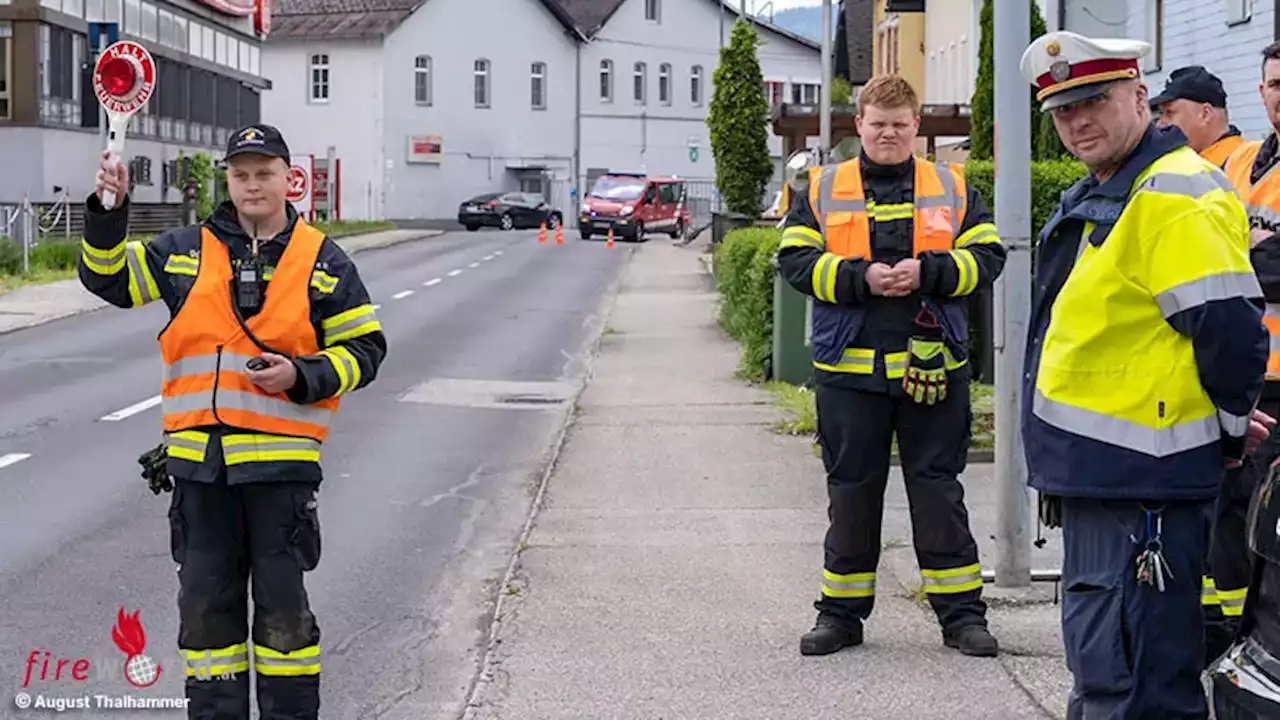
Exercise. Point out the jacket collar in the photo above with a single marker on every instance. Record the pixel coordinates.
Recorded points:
(225, 224)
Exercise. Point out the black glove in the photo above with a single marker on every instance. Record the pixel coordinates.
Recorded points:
(155, 469)
(1051, 511)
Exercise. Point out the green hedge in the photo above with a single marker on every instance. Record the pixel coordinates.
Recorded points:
(744, 278)
(1049, 179)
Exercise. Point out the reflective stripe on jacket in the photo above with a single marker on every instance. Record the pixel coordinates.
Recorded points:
(206, 346)
(845, 215)
(1120, 402)
(1262, 203)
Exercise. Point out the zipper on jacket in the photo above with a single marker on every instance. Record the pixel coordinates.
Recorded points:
(1161, 409)
(217, 373)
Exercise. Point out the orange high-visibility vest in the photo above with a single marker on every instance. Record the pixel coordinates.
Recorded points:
(1262, 203)
(205, 347)
(1218, 152)
(845, 215)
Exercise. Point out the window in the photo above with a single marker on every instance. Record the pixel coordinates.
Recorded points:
(6, 70)
(61, 54)
(132, 12)
(664, 84)
(773, 92)
(482, 83)
(254, 55)
(148, 30)
(1154, 11)
(1238, 11)
(320, 78)
(193, 39)
(651, 10)
(538, 86)
(180, 33)
(208, 43)
(695, 85)
(639, 72)
(422, 80)
(606, 81)
(805, 93)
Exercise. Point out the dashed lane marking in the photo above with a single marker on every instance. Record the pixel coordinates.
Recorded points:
(474, 264)
(454, 273)
(432, 281)
(12, 458)
(132, 410)
(487, 258)
(402, 294)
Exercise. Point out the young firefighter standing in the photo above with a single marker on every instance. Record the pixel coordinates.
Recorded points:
(890, 246)
(1144, 362)
(271, 326)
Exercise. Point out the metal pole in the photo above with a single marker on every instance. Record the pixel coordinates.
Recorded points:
(824, 109)
(1012, 26)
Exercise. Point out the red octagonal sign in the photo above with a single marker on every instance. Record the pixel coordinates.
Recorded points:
(297, 184)
(124, 78)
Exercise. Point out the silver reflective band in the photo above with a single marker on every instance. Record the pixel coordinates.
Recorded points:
(1195, 293)
(1235, 425)
(248, 402)
(205, 364)
(949, 580)
(868, 584)
(175, 441)
(1156, 442)
(1201, 183)
(207, 665)
(351, 367)
(135, 260)
(356, 321)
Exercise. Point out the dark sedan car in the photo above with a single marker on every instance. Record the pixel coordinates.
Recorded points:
(508, 210)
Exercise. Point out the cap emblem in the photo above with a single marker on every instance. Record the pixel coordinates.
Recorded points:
(1053, 48)
(1060, 71)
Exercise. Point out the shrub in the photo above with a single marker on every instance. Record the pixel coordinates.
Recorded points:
(744, 277)
(10, 256)
(55, 255)
(1049, 179)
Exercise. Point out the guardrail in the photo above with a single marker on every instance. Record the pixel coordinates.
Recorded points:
(26, 223)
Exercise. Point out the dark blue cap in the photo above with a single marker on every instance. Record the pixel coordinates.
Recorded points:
(1192, 83)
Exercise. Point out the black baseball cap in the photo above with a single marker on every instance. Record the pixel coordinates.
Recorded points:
(1192, 83)
(257, 140)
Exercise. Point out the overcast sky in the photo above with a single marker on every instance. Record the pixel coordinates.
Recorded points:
(780, 4)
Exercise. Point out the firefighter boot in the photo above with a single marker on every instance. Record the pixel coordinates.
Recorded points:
(973, 640)
(830, 635)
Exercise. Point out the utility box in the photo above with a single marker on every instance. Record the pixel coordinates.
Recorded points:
(791, 354)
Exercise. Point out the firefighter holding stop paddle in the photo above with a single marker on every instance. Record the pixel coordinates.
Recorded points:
(270, 326)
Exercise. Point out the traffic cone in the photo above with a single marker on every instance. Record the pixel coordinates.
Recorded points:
(542, 234)
(560, 233)
(609, 242)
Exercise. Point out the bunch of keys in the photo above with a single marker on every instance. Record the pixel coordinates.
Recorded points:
(1151, 565)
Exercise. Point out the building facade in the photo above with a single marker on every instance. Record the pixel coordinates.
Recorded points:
(208, 81)
(899, 44)
(423, 116)
(1225, 36)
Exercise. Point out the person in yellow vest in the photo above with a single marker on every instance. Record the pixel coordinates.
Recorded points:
(1195, 101)
(1143, 368)
(1251, 170)
(890, 247)
(270, 326)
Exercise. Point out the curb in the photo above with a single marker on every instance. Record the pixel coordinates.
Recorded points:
(46, 319)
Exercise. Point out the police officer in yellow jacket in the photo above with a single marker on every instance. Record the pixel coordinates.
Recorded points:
(890, 247)
(1143, 367)
(1195, 101)
(270, 326)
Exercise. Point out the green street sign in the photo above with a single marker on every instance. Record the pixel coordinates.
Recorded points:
(693, 154)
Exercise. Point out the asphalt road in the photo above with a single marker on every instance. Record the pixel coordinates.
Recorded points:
(421, 506)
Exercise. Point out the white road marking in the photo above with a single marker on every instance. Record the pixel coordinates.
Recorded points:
(497, 252)
(432, 281)
(377, 307)
(486, 258)
(474, 264)
(402, 294)
(132, 410)
(454, 273)
(12, 458)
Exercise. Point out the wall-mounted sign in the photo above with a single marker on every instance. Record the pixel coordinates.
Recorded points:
(238, 8)
(425, 149)
(262, 18)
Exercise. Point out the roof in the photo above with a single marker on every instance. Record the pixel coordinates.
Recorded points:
(776, 29)
(375, 19)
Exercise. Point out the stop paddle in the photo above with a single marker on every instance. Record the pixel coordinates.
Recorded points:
(124, 79)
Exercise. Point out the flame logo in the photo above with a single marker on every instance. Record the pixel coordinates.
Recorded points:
(139, 670)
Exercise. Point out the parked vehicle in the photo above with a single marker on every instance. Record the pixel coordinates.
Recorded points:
(1244, 683)
(509, 211)
(633, 204)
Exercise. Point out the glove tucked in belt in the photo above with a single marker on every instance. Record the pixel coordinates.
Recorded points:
(926, 378)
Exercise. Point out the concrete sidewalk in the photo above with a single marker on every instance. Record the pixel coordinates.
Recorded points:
(32, 305)
(675, 560)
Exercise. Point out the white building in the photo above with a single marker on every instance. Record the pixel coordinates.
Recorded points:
(429, 103)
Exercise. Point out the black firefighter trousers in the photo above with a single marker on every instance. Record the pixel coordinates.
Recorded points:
(224, 538)
(856, 429)
(1230, 563)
